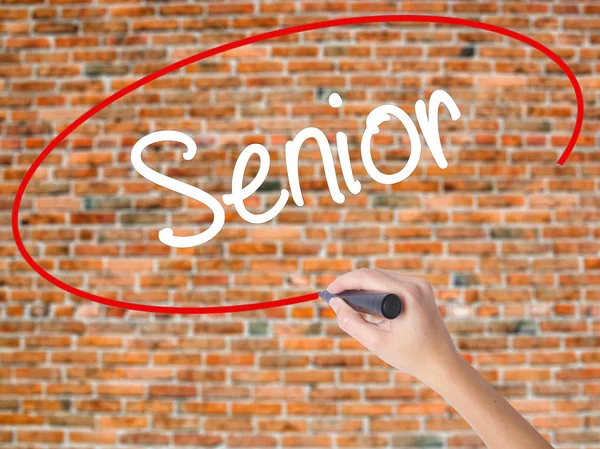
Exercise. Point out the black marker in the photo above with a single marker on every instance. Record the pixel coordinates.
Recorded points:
(387, 305)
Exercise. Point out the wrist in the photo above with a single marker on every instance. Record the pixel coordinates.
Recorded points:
(447, 373)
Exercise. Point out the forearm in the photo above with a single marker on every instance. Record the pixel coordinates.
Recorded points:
(494, 420)
(418, 343)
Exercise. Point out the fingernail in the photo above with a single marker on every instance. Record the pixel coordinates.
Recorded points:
(335, 304)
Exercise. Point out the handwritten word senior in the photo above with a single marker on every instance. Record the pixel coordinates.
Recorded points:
(428, 122)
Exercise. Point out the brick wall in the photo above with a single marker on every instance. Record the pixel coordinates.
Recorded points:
(508, 238)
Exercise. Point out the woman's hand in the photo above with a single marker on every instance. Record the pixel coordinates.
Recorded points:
(416, 342)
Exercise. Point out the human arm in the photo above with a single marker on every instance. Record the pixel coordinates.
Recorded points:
(417, 342)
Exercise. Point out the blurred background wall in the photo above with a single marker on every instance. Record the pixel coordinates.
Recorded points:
(508, 238)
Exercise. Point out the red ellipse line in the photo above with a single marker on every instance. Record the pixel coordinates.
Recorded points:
(229, 46)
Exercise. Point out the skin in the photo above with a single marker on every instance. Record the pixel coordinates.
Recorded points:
(418, 343)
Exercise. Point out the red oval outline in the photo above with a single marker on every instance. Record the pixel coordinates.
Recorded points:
(229, 46)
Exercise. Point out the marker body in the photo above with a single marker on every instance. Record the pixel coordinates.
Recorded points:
(387, 305)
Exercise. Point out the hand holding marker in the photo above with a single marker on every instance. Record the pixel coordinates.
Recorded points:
(419, 344)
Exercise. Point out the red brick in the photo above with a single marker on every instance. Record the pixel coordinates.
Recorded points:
(506, 236)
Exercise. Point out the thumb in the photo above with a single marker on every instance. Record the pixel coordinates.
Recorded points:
(353, 323)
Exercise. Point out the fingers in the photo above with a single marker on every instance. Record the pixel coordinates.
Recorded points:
(353, 323)
(373, 319)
